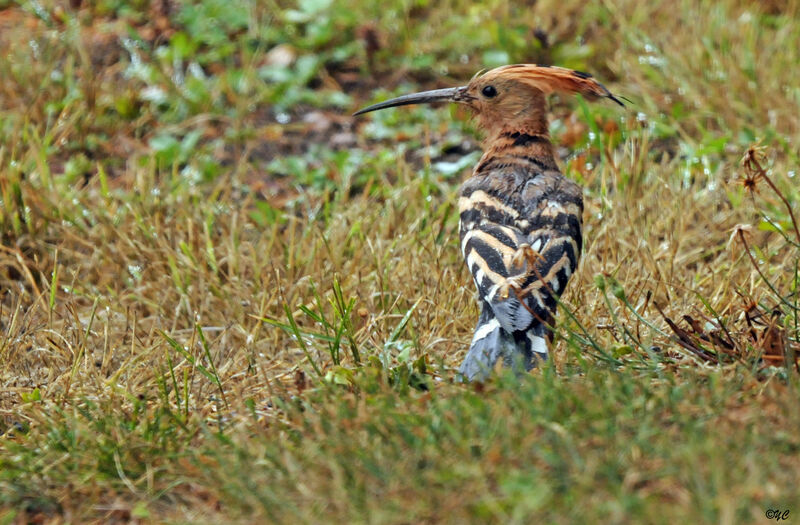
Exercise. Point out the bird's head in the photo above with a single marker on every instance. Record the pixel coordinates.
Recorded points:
(509, 97)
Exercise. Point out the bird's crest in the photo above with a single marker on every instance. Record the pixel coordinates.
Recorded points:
(552, 79)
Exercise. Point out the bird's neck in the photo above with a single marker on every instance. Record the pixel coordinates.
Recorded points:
(527, 147)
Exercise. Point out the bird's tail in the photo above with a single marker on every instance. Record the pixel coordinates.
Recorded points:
(519, 350)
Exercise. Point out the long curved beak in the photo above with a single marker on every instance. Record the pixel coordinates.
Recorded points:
(423, 97)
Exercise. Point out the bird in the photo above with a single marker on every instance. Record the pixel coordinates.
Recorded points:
(520, 218)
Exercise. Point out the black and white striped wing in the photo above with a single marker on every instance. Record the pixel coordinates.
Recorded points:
(521, 290)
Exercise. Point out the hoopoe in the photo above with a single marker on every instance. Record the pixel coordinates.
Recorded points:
(520, 218)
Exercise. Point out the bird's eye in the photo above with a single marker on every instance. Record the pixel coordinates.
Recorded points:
(489, 92)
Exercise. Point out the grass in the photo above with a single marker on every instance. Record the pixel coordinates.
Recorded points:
(223, 299)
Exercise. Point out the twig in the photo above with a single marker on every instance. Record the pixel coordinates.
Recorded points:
(751, 163)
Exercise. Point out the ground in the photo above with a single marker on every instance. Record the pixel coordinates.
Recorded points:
(224, 299)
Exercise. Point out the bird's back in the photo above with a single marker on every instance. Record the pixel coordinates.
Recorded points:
(520, 236)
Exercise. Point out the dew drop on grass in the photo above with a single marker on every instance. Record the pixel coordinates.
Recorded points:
(791, 174)
(652, 61)
(136, 68)
(192, 174)
(35, 48)
(154, 94)
(196, 71)
(283, 118)
(40, 11)
(773, 117)
(135, 270)
(177, 75)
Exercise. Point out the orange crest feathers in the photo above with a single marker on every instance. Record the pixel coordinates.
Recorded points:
(551, 79)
